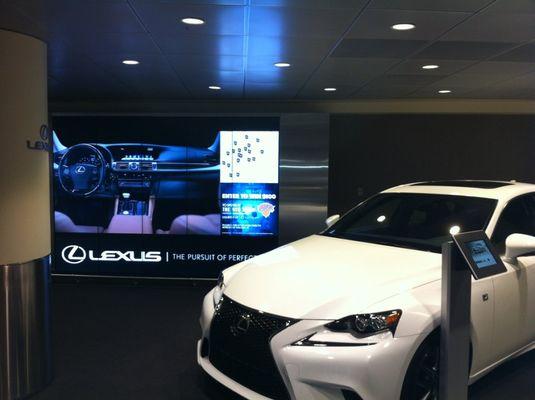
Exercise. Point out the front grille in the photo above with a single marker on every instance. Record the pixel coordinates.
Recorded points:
(239, 347)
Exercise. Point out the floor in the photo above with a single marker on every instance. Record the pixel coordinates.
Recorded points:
(135, 342)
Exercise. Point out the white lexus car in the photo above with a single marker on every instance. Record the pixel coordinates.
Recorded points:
(354, 312)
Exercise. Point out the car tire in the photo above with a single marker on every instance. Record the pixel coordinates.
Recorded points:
(421, 379)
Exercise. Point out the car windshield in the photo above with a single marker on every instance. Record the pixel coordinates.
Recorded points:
(413, 220)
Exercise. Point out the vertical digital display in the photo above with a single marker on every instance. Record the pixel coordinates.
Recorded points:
(249, 183)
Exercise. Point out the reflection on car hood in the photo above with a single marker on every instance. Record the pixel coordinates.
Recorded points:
(321, 277)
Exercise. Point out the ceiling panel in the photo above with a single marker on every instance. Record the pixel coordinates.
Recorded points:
(299, 22)
(345, 4)
(208, 77)
(484, 78)
(414, 66)
(67, 16)
(463, 50)
(438, 5)
(278, 76)
(297, 64)
(104, 42)
(288, 47)
(58, 59)
(512, 6)
(384, 91)
(406, 80)
(200, 90)
(188, 62)
(165, 17)
(483, 47)
(314, 90)
(269, 91)
(352, 71)
(525, 53)
(467, 81)
(521, 87)
(152, 77)
(90, 83)
(194, 44)
(495, 27)
(504, 69)
(197, 2)
(377, 48)
(375, 24)
(12, 18)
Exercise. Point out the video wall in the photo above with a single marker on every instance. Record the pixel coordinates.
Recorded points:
(163, 196)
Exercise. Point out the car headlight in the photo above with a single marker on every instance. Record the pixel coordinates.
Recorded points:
(366, 324)
(220, 280)
(218, 290)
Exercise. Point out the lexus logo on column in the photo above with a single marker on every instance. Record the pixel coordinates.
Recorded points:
(42, 144)
(80, 169)
(73, 254)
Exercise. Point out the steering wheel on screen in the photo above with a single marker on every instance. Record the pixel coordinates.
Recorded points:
(82, 170)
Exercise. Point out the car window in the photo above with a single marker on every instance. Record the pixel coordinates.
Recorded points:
(517, 217)
(414, 220)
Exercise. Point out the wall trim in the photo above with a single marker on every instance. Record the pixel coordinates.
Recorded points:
(402, 106)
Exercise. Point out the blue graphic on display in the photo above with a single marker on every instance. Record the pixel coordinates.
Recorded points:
(481, 254)
(249, 209)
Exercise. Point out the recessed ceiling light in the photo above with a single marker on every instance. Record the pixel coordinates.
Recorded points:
(192, 21)
(445, 91)
(130, 62)
(282, 64)
(430, 66)
(403, 27)
(213, 87)
(330, 89)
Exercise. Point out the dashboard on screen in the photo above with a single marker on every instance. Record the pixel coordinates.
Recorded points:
(163, 196)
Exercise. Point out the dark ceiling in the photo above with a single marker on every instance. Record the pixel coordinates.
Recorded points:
(485, 48)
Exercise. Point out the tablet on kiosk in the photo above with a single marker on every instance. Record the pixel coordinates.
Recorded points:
(479, 253)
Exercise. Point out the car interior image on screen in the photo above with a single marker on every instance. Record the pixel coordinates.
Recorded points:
(216, 182)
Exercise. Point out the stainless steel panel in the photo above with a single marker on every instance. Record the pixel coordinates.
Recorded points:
(304, 168)
(25, 359)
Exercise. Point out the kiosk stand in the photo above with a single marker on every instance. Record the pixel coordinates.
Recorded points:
(455, 325)
(470, 254)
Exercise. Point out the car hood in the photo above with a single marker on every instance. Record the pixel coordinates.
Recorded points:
(322, 277)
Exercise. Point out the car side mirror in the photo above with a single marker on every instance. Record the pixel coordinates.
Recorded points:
(331, 220)
(518, 245)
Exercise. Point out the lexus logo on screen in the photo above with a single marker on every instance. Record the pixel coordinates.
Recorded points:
(74, 254)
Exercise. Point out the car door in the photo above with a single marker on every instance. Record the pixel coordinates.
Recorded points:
(514, 295)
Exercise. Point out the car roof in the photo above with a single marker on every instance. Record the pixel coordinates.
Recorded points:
(499, 190)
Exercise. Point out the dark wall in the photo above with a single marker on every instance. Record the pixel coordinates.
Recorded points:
(369, 153)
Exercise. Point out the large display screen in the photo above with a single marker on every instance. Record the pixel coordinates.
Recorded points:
(163, 196)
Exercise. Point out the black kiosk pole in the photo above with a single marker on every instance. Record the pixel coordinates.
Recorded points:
(470, 254)
(455, 324)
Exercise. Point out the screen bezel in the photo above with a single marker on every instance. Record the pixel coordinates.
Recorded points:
(462, 240)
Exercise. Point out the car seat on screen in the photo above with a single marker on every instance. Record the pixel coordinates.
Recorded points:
(194, 225)
(64, 224)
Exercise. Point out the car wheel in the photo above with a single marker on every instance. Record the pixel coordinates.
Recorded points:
(421, 380)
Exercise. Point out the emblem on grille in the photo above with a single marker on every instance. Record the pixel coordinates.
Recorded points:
(241, 326)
